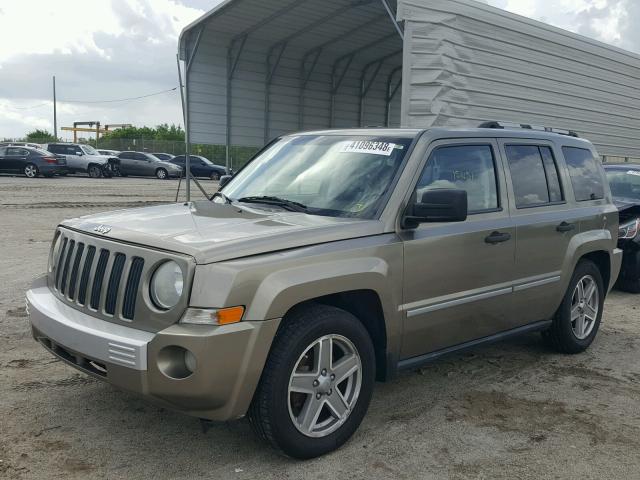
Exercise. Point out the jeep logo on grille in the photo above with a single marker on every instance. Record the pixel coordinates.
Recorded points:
(102, 229)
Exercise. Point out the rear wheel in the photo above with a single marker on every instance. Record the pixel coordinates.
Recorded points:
(162, 174)
(577, 321)
(94, 171)
(317, 383)
(30, 170)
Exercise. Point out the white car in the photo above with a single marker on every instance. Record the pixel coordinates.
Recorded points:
(85, 158)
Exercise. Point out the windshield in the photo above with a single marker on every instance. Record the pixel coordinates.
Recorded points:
(89, 150)
(328, 175)
(624, 183)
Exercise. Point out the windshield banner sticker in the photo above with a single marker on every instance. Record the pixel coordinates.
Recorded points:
(373, 148)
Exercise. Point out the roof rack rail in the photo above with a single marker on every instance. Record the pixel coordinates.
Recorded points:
(524, 126)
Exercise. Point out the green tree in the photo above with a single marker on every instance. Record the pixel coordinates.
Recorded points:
(40, 136)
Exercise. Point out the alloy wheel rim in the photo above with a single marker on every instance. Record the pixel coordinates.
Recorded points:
(585, 304)
(161, 174)
(30, 171)
(324, 386)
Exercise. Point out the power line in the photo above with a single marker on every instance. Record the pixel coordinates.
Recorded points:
(121, 99)
(96, 101)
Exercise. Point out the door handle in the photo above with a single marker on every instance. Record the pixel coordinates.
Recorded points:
(498, 237)
(565, 227)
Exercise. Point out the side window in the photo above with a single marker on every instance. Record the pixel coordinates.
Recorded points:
(14, 152)
(585, 174)
(466, 167)
(534, 175)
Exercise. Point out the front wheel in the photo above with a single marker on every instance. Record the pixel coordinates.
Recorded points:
(30, 171)
(317, 383)
(162, 174)
(215, 176)
(94, 171)
(577, 321)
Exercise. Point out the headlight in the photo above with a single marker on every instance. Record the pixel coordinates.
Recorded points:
(629, 229)
(167, 285)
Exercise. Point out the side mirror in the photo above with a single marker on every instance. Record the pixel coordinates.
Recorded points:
(225, 179)
(438, 205)
(79, 154)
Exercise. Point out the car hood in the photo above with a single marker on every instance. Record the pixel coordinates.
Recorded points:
(212, 232)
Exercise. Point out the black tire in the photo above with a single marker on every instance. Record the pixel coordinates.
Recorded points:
(215, 177)
(162, 174)
(269, 411)
(94, 171)
(629, 280)
(30, 170)
(561, 335)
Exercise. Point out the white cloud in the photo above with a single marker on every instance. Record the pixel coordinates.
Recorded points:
(97, 50)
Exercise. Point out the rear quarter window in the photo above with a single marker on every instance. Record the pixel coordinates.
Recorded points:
(585, 172)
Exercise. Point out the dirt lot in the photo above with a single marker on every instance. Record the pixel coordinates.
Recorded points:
(513, 410)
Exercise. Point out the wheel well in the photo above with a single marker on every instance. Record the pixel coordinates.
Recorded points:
(603, 262)
(365, 305)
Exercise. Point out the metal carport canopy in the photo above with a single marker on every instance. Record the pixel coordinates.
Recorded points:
(258, 69)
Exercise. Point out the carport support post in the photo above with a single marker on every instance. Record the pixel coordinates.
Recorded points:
(187, 129)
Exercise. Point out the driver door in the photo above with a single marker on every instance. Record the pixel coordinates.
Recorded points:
(458, 276)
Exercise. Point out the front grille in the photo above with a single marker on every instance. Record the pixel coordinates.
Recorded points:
(85, 273)
(106, 278)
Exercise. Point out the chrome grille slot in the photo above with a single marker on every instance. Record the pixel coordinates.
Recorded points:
(59, 261)
(98, 279)
(86, 270)
(74, 271)
(65, 271)
(131, 290)
(114, 283)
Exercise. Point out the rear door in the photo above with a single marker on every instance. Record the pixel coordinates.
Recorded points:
(16, 158)
(458, 276)
(546, 220)
(127, 166)
(5, 166)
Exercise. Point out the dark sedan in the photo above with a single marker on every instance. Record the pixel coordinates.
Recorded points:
(625, 185)
(201, 167)
(31, 162)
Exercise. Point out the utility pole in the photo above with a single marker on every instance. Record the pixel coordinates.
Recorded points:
(55, 113)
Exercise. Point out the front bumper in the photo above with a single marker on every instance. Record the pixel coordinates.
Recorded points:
(229, 359)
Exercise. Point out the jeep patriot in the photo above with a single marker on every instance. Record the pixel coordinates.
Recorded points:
(331, 260)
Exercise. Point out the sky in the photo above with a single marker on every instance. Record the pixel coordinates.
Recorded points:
(113, 49)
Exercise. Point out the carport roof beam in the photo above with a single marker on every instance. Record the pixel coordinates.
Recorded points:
(268, 19)
(391, 92)
(365, 86)
(393, 18)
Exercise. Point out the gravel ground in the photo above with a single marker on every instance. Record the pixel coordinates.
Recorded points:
(512, 410)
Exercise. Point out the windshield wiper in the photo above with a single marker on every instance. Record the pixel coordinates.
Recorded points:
(226, 199)
(277, 201)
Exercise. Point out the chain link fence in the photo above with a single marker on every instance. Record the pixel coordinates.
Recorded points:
(216, 153)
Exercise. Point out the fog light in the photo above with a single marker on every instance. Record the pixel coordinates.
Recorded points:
(176, 362)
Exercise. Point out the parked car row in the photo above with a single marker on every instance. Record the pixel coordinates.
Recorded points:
(52, 159)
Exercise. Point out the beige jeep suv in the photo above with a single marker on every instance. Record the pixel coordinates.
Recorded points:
(332, 260)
